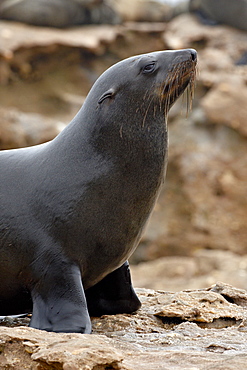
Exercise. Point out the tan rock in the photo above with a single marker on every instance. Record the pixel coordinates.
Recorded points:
(30, 348)
(203, 268)
(186, 31)
(143, 10)
(149, 339)
(225, 104)
(13, 35)
(199, 307)
(18, 129)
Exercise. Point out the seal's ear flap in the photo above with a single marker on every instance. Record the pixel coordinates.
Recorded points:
(107, 95)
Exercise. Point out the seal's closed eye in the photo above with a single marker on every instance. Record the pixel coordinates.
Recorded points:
(107, 95)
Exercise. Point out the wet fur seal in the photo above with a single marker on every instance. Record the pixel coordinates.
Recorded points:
(72, 210)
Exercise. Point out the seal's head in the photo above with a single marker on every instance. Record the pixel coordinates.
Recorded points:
(144, 85)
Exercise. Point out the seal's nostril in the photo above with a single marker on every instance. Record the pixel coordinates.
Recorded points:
(193, 55)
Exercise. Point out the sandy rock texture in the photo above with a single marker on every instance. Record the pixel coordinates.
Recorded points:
(200, 329)
(143, 10)
(203, 204)
(19, 129)
(50, 71)
(203, 268)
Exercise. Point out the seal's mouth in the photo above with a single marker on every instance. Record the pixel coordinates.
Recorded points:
(181, 76)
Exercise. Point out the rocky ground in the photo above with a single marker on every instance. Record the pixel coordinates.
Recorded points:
(197, 233)
(200, 329)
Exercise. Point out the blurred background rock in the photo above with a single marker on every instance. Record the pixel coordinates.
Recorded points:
(197, 234)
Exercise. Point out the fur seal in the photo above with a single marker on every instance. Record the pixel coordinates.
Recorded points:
(58, 13)
(229, 12)
(73, 209)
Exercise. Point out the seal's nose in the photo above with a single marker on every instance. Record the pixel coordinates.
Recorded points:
(193, 55)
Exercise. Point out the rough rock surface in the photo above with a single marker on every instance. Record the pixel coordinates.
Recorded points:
(202, 269)
(50, 71)
(204, 202)
(143, 10)
(202, 329)
(18, 129)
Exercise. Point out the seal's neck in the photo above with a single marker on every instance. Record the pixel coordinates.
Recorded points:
(130, 134)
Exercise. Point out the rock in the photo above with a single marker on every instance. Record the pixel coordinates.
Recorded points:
(203, 204)
(170, 273)
(18, 129)
(44, 69)
(233, 295)
(203, 268)
(165, 333)
(15, 35)
(224, 104)
(186, 31)
(25, 347)
(203, 309)
(143, 10)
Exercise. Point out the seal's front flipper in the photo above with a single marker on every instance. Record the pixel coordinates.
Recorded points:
(59, 303)
(114, 294)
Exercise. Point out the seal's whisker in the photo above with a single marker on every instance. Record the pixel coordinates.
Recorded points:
(168, 100)
(121, 132)
(190, 91)
(145, 115)
(155, 109)
(145, 95)
(179, 75)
